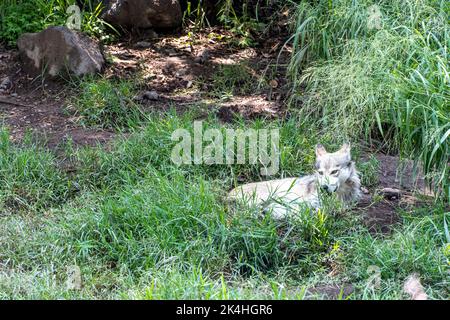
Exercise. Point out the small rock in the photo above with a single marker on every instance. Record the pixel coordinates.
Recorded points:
(6, 83)
(150, 34)
(391, 193)
(273, 83)
(189, 84)
(202, 57)
(150, 95)
(364, 190)
(171, 53)
(60, 50)
(74, 281)
(180, 73)
(142, 45)
(14, 95)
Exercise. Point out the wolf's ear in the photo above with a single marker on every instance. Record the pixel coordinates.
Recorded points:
(345, 148)
(320, 150)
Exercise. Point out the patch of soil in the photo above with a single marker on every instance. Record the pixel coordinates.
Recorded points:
(250, 107)
(48, 122)
(39, 107)
(403, 175)
(398, 186)
(379, 216)
(180, 69)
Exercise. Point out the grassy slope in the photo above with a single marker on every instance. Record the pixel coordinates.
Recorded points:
(379, 69)
(140, 227)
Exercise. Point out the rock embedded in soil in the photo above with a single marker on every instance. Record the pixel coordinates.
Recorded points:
(142, 45)
(150, 95)
(391, 193)
(202, 57)
(6, 83)
(143, 14)
(58, 50)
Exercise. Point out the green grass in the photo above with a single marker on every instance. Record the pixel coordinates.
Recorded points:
(388, 83)
(28, 179)
(369, 171)
(233, 79)
(420, 245)
(106, 104)
(21, 16)
(138, 226)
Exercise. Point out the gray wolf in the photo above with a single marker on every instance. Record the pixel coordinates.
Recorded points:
(335, 173)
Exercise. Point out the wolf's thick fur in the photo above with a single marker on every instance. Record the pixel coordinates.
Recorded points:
(335, 172)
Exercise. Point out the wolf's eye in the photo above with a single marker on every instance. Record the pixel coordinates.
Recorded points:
(334, 172)
(320, 172)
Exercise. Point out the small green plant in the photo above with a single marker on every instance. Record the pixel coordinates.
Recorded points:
(96, 27)
(29, 178)
(369, 171)
(230, 80)
(241, 21)
(242, 24)
(16, 19)
(195, 15)
(106, 103)
(20, 16)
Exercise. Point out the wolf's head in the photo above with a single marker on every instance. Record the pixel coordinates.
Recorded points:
(334, 170)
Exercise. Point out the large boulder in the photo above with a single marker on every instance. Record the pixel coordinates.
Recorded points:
(143, 14)
(59, 50)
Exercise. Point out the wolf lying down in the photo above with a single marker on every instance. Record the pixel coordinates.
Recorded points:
(335, 173)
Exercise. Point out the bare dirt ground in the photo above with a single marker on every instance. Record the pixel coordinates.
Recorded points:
(400, 185)
(180, 70)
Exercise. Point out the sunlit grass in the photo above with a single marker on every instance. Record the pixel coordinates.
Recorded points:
(389, 82)
(138, 226)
